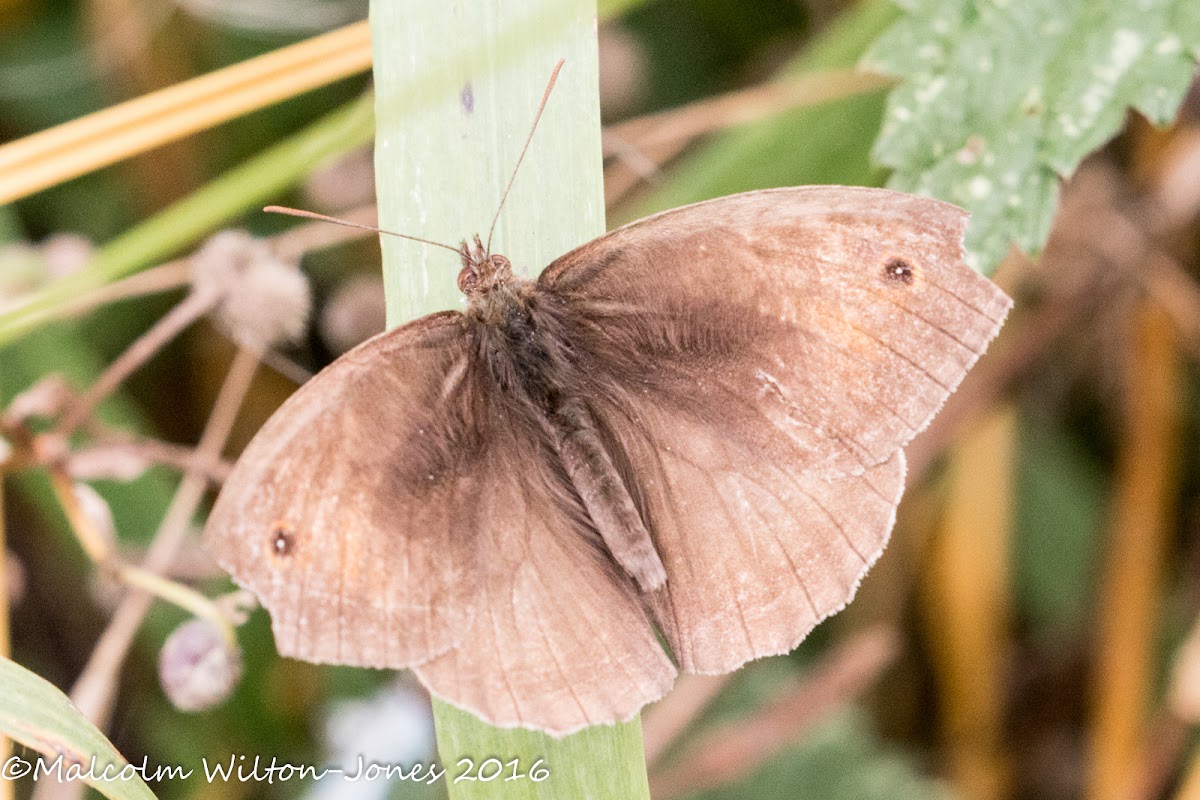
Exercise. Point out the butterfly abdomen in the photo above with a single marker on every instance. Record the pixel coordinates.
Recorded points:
(538, 382)
(604, 494)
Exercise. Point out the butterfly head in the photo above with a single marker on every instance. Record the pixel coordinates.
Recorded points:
(481, 270)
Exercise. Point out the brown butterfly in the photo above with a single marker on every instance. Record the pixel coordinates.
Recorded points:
(689, 427)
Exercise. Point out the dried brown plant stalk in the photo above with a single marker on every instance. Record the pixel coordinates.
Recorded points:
(739, 107)
(77, 147)
(93, 691)
(1143, 518)
(194, 306)
(966, 607)
(664, 722)
(640, 146)
(734, 751)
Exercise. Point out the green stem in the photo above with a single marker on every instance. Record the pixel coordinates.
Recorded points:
(457, 86)
(233, 194)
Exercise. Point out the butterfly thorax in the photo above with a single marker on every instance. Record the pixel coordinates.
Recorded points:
(521, 344)
(522, 357)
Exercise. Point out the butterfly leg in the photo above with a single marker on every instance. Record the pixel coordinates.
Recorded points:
(605, 496)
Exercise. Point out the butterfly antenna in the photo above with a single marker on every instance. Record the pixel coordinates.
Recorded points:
(536, 118)
(295, 212)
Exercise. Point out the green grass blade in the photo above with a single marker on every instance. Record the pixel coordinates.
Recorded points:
(602, 761)
(457, 86)
(39, 716)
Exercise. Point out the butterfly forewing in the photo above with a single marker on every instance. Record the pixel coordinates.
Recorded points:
(830, 321)
(341, 515)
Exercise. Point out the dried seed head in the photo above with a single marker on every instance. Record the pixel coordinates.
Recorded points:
(45, 399)
(197, 667)
(356, 313)
(66, 253)
(1183, 696)
(96, 509)
(345, 183)
(14, 579)
(261, 299)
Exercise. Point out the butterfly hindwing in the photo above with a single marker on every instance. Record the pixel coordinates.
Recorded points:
(757, 550)
(560, 639)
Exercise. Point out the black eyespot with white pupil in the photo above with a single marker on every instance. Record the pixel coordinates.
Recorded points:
(282, 542)
(899, 271)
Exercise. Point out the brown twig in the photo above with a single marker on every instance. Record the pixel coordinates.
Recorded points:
(93, 541)
(291, 245)
(644, 143)
(190, 309)
(100, 550)
(663, 723)
(966, 607)
(632, 166)
(1142, 522)
(107, 459)
(739, 107)
(191, 565)
(93, 691)
(736, 750)
(164, 278)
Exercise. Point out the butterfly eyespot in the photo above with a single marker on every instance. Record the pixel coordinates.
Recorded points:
(282, 542)
(899, 271)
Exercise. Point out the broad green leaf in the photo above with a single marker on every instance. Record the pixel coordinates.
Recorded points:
(1001, 98)
(39, 716)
